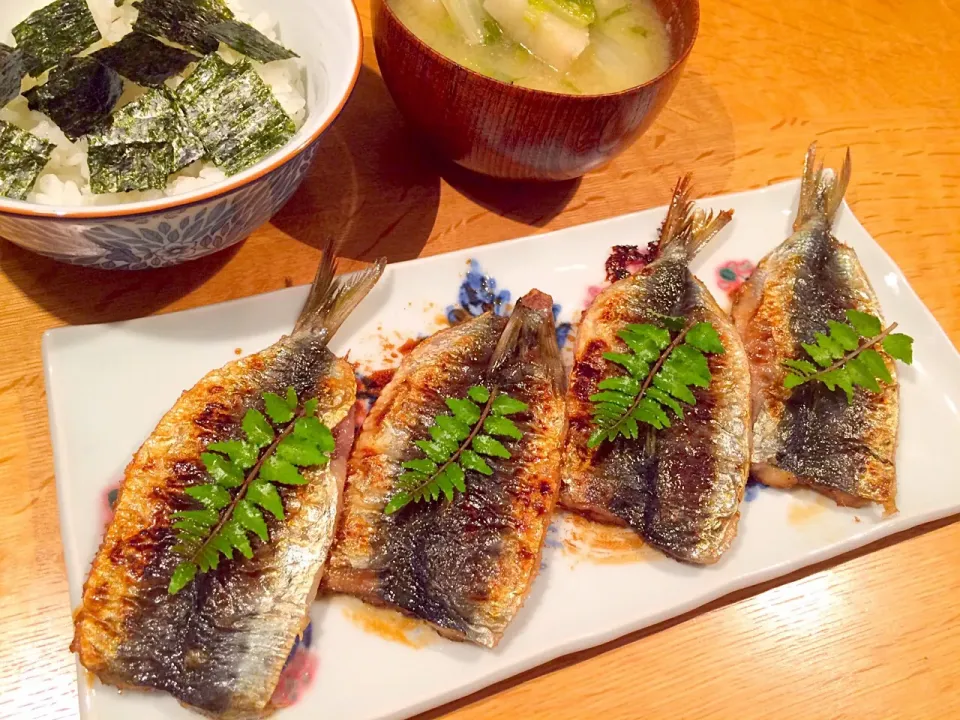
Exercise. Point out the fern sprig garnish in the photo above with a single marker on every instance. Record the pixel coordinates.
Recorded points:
(269, 455)
(458, 442)
(846, 356)
(660, 373)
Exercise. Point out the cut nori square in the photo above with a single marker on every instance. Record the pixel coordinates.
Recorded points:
(186, 22)
(125, 168)
(140, 146)
(11, 73)
(145, 60)
(233, 113)
(79, 95)
(59, 30)
(22, 159)
(249, 41)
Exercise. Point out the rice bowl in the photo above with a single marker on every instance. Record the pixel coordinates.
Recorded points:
(65, 181)
(172, 229)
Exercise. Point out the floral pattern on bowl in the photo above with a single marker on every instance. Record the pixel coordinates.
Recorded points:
(162, 239)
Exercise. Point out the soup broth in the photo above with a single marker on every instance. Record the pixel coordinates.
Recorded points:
(587, 47)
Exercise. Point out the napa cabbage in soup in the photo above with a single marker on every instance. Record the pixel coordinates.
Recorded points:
(585, 47)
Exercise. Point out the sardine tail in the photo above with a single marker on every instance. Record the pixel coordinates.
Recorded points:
(332, 298)
(531, 328)
(687, 226)
(820, 193)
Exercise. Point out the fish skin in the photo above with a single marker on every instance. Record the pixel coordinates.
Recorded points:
(219, 645)
(811, 436)
(465, 566)
(680, 489)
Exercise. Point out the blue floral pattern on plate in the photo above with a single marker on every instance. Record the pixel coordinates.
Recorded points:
(479, 293)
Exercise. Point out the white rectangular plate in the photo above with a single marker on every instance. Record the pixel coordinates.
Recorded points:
(108, 385)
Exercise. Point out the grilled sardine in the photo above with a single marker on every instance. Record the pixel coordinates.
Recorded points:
(811, 435)
(680, 487)
(220, 643)
(464, 565)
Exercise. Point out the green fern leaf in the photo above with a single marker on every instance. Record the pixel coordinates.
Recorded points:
(300, 452)
(829, 345)
(614, 398)
(250, 468)
(478, 393)
(264, 494)
(486, 445)
(457, 429)
(280, 471)
(503, 404)
(278, 410)
(470, 460)
(457, 477)
(251, 518)
(504, 427)
(705, 338)
(257, 428)
(874, 363)
(456, 446)
(899, 347)
(464, 410)
(436, 452)
(662, 369)
(423, 465)
(182, 576)
(631, 363)
(865, 324)
(224, 472)
(848, 357)
(212, 497)
(621, 383)
(844, 334)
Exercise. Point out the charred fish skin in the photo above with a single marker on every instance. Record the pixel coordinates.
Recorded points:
(680, 489)
(218, 645)
(465, 566)
(812, 436)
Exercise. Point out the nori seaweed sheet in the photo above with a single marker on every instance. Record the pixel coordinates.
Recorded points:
(140, 146)
(79, 95)
(11, 73)
(59, 30)
(186, 22)
(145, 60)
(249, 41)
(22, 159)
(125, 168)
(233, 113)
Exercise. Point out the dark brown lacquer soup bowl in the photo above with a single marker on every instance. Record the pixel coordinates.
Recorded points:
(511, 132)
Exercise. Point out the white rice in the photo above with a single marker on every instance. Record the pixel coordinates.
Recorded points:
(66, 178)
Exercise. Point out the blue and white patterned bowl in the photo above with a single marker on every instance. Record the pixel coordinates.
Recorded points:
(170, 231)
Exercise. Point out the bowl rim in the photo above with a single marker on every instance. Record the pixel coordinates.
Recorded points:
(222, 188)
(443, 59)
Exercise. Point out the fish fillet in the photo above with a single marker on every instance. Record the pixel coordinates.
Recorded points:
(464, 565)
(811, 435)
(680, 487)
(219, 644)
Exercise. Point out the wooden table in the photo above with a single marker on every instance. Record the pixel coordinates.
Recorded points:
(872, 634)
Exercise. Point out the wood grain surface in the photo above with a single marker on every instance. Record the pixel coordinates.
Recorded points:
(875, 634)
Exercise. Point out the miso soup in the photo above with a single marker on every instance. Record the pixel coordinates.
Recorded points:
(585, 47)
